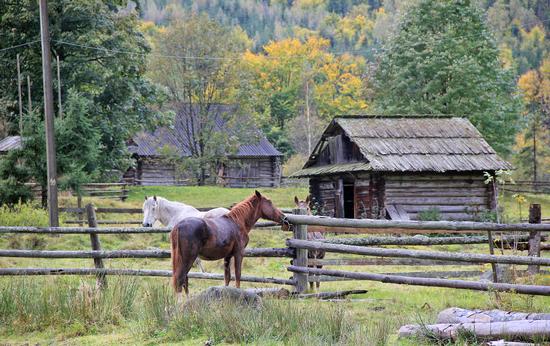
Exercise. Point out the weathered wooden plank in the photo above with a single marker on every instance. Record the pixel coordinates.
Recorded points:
(418, 274)
(133, 272)
(418, 240)
(425, 200)
(430, 282)
(369, 230)
(436, 255)
(158, 253)
(96, 245)
(426, 225)
(431, 177)
(377, 261)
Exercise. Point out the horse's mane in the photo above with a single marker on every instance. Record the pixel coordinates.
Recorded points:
(243, 211)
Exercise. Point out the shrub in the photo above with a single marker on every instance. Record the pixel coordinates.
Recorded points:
(431, 214)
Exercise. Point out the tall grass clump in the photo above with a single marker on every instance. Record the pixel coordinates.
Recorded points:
(276, 321)
(28, 305)
(23, 214)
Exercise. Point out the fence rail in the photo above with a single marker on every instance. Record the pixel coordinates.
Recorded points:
(297, 249)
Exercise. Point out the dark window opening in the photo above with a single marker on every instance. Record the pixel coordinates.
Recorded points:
(349, 201)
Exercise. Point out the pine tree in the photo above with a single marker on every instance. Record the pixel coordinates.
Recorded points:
(443, 60)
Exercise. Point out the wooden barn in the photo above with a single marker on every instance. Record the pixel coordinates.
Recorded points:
(254, 164)
(402, 168)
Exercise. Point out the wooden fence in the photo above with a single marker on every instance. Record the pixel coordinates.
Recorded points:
(97, 190)
(527, 186)
(297, 248)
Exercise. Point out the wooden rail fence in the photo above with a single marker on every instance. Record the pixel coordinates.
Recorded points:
(298, 246)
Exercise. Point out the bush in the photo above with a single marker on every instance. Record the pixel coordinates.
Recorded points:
(431, 214)
(23, 214)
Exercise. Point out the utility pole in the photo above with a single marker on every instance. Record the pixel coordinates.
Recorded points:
(49, 115)
(29, 96)
(20, 97)
(59, 89)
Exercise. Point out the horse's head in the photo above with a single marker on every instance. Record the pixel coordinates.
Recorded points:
(303, 204)
(150, 211)
(268, 210)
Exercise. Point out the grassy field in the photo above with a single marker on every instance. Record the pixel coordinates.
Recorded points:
(69, 310)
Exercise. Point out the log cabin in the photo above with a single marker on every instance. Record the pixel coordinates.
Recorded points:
(254, 163)
(403, 168)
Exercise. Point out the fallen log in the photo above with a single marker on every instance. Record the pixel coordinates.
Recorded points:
(431, 282)
(509, 343)
(523, 330)
(330, 295)
(458, 315)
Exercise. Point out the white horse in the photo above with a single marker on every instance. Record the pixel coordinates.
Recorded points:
(170, 213)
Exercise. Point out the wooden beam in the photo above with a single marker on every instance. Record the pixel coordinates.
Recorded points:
(431, 282)
(418, 240)
(434, 255)
(132, 272)
(415, 225)
(251, 252)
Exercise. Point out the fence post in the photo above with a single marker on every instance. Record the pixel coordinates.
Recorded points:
(535, 216)
(300, 259)
(96, 245)
(80, 213)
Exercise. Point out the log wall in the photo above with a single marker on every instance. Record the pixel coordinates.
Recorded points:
(156, 172)
(253, 172)
(463, 197)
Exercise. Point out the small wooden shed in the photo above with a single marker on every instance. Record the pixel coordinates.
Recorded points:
(254, 164)
(9, 143)
(402, 167)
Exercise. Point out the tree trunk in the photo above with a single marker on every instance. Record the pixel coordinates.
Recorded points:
(523, 330)
(458, 315)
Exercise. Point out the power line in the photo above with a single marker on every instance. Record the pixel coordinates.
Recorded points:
(18, 46)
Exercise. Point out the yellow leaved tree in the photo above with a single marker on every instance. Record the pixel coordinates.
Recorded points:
(302, 80)
(533, 142)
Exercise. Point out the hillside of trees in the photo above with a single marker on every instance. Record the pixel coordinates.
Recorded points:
(361, 34)
(291, 66)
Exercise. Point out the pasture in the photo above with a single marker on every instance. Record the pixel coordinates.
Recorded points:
(139, 310)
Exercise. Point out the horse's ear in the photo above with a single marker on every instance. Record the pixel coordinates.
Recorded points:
(258, 194)
(307, 199)
(296, 200)
(155, 198)
(145, 197)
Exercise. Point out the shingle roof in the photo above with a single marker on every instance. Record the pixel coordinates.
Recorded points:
(177, 137)
(10, 143)
(417, 144)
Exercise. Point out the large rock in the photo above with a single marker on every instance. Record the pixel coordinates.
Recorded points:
(228, 293)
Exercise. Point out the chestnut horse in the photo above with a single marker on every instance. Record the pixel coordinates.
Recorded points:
(219, 237)
(313, 254)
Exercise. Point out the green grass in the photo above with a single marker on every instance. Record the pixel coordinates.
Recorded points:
(139, 311)
(212, 196)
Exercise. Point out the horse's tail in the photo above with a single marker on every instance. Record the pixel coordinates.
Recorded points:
(176, 254)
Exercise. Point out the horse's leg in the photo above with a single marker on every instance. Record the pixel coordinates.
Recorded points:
(180, 276)
(311, 283)
(318, 283)
(238, 263)
(227, 270)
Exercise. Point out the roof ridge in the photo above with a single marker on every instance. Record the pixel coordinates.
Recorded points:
(398, 116)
